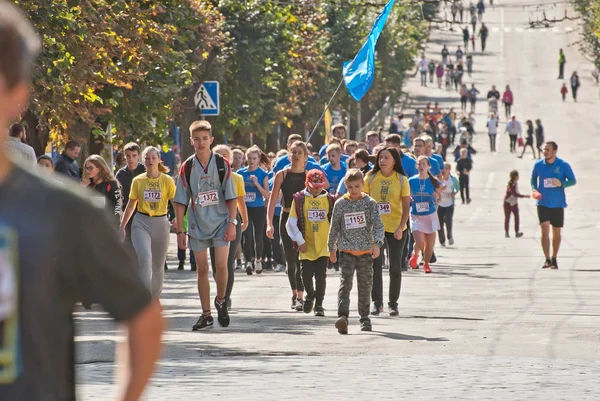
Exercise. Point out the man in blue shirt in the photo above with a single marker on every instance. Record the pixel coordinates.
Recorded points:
(284, 160)
(335, 170)
(337, 131)
(419, 148)
(549, 179)
(409, 165)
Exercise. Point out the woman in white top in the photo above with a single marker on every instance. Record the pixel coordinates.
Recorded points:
(450, 187)
(492, 127)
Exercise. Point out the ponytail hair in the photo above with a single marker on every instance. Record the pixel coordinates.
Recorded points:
(161, 166)
(264, 159)
(513, 175)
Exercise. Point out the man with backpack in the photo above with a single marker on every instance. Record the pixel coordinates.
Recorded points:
(206, 186)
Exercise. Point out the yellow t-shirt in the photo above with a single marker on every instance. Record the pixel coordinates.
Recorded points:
(388, 193)
(238, 184)
(152, 194)
(316, 226)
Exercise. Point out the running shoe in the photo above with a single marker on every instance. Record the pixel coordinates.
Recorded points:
(506, 235)
(294, 302)
(443, 244)
(365, 324)
(433, 258)
(554, 264)
(223, 316)
(280, 268)
(299, 304)
(376, 309)
(450, 241)
(547, 264)
(258, 267)
(248, 268)
(393, 309)
(342, 325)
(180, 266)
(468, 201)
(308, 305)
(426, 268)
(518, 235)
(205, 322)
(413, 262)
(319, 311)
(238, 264)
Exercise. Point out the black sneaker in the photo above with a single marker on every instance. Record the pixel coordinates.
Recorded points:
(248, 268)
(294, 302)
(308, 305)
(238, 264)
(205, 322)
(365, 324)
(342, 325)
(376, 309)
(518, 235)
(554, 264)
(319, 311)
(223, 316)
(506, 235)
(180, 266)
(547, 264)
(299, 304)
(433, 258)
(393, 309)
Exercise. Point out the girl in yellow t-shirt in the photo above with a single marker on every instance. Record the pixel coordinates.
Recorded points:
(150, 195)
(388, 185)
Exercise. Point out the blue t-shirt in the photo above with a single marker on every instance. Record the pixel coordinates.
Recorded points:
(541, 180)
(421, 190)
(435, 167)
(323, 150)
(342, 190)
(334, 176)
(409, 165)
(253, 196)
(168, 159)
(439, 159)
(284, 161)
(278, 204)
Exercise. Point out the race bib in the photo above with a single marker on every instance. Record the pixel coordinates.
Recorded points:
(152, 195)
(548, 183)
(278, 202)
(99, 201)
(355, 220)
(384, 208)
(446, 195)
(317, 215)
(208, 198)
(422, 207)
(250, 197)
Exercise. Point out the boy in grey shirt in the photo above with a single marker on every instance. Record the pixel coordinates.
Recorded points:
(357, 232)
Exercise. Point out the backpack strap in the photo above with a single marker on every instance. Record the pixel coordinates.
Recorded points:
(223, 167)
(331, 203)
(185, 172)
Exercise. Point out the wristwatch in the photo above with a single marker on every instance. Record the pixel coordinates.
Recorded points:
(232, 221)
(379, 243)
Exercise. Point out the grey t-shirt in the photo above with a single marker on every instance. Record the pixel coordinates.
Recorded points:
(60, 249)
(208, 213)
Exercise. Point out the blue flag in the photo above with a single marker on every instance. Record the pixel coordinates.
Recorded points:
(360, 72)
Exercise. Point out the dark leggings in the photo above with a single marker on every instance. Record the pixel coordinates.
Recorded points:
(445, 215)
(230, 259)
(278, 255)
(291, 255)
(318, 270)
(513, 142)
(463, 180)
(507, 107)
(492, 142)
(396, 249)
(508, 209)
(254, 234)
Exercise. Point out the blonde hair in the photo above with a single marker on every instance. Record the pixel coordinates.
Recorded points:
(332, 147)
(224, 151)
(161, 167)
(200, 125)
(354, 174)
(105, 173)
(300, 145)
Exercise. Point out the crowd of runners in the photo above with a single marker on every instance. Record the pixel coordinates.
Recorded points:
(362, 207)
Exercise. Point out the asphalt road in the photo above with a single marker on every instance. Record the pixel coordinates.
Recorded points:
(488, 324)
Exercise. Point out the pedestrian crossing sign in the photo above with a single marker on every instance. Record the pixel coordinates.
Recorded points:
(207, 98)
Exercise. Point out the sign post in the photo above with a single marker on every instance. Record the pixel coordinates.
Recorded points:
(207, 98)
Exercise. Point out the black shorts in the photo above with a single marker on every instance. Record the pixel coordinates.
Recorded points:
(555, 215)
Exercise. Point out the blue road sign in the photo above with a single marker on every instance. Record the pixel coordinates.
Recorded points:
(207, 98)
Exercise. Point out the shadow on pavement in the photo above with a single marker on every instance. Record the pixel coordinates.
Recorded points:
(443, 318)
(407, 337)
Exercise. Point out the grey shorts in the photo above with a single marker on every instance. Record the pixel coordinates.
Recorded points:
(197, 245)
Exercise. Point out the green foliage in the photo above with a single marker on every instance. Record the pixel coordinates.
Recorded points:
(590, 13)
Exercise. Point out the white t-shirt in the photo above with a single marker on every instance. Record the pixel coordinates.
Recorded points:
(492, 126)
(423, 65)
(446, 199)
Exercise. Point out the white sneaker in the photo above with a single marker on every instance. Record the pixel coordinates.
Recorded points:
(451, 241)
(280, 268)
(258, 267)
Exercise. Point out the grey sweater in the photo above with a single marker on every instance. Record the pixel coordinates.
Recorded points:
(347, 232)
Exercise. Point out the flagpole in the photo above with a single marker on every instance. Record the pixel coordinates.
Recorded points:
(325, 111)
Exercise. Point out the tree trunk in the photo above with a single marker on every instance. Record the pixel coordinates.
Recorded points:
(37, 137)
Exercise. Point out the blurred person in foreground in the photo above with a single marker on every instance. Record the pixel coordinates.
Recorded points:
(46, 266)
